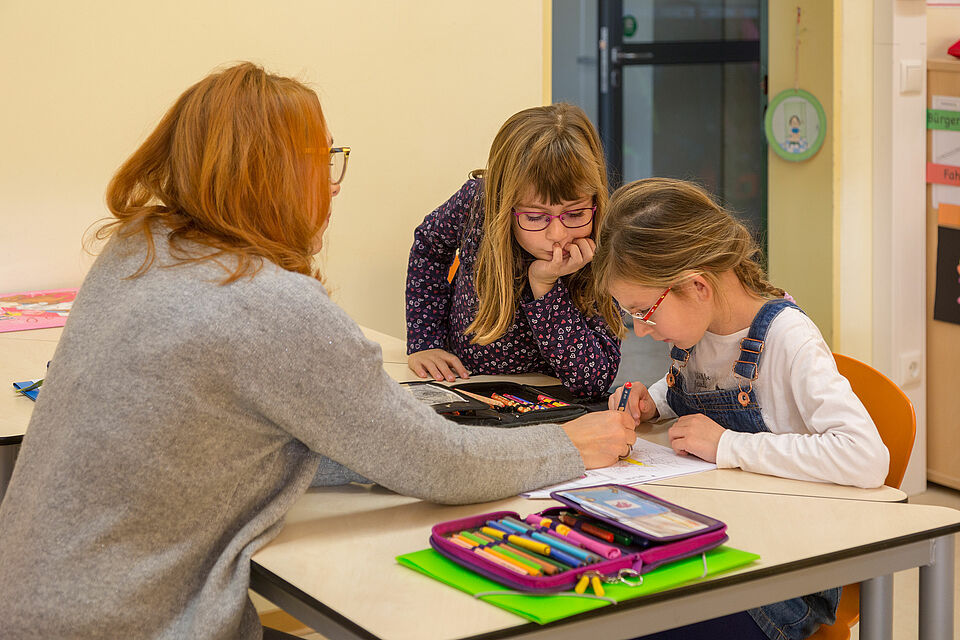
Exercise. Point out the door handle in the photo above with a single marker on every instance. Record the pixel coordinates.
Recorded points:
(619, 57)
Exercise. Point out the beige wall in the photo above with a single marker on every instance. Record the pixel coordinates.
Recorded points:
(800, 196)
(853, 179)
(418, 89)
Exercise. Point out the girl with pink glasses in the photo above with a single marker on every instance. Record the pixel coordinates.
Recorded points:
(523, 232)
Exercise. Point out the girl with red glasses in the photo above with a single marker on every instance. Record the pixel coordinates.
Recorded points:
(753, 384)
(523, 233)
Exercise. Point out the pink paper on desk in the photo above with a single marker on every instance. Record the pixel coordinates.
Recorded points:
(35, 309)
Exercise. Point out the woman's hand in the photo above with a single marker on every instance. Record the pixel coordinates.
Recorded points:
(697, 434)
(640, 405)
(440, 364)
(601, 437)
(544, 274)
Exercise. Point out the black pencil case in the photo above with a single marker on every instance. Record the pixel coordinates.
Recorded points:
(468, 410)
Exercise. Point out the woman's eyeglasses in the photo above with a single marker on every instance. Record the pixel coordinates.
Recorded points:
(538, 220)
(644, 317)
(338, 163)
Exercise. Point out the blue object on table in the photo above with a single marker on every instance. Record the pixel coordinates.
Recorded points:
(29, 388)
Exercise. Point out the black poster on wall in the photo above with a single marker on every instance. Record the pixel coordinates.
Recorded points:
(946, 303)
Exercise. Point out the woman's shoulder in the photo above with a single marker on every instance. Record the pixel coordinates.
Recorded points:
(274, 289)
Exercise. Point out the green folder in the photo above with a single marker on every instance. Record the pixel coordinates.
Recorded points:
(543, 609)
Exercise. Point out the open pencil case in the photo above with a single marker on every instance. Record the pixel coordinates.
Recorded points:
(522, 404)
(646, 533)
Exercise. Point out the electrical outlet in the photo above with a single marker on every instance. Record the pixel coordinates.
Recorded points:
(911, 369)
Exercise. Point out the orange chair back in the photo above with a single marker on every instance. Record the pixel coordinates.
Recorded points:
(890, 409)
(896, 421)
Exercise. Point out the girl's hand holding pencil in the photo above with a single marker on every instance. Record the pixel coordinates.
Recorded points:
(640, 405)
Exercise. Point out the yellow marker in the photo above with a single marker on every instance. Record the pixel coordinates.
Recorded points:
(490, 531)
(582, 584)
(526, 543)
(532, 545)
(597, 587)
(632, 461)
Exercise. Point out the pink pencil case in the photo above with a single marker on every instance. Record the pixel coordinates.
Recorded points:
(649, 532)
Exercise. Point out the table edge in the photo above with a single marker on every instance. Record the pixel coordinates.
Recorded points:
(686, 590)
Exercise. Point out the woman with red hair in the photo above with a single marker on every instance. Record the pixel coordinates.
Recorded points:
(182, 416)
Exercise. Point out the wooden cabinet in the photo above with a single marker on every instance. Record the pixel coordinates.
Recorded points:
(943, 338)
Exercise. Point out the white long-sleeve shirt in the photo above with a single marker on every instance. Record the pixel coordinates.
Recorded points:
(819, 429)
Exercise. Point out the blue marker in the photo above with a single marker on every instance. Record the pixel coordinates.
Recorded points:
(565, 558)
(624, 396)
(520, 527)
(586, 556)
(499, 526)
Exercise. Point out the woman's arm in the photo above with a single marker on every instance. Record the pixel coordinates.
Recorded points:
(435, 244)
(316, 377)
(581, 350)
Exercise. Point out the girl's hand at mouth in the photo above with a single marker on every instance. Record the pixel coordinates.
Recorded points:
(543, 274)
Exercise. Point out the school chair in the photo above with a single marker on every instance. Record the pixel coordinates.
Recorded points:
(896, 421)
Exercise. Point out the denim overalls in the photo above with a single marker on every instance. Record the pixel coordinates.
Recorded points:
(737, 409)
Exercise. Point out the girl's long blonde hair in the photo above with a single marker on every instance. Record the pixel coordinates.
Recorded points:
(240, 164)
(659, 230)
(555, 150)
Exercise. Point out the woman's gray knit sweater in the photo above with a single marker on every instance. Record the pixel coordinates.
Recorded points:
(179, 422)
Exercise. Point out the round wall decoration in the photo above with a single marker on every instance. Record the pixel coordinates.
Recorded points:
(795, 125)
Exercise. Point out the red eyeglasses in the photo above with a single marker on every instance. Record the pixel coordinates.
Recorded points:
(645, 316)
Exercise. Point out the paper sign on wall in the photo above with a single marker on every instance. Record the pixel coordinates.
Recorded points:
(945, 150)
(948, 215)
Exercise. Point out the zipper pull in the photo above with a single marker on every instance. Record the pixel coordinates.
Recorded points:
(582, 583)
(597, 585)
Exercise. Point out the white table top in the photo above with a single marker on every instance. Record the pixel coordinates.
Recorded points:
(52, 335)
(394, 349)
(717, 479)
(339, 545)
(24, 354)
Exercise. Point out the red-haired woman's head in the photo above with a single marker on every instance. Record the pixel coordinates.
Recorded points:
(240, 163)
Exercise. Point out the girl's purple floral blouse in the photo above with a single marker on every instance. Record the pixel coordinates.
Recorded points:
(549, 335)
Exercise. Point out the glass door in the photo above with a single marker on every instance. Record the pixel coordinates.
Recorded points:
(676, 89)
(681, 94)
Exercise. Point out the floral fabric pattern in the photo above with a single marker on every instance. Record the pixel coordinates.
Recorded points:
(549, 335)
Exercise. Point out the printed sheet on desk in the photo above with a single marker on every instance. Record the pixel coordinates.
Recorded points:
(647, 462)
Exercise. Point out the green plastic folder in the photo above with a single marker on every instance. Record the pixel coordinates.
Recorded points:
(543, 609)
